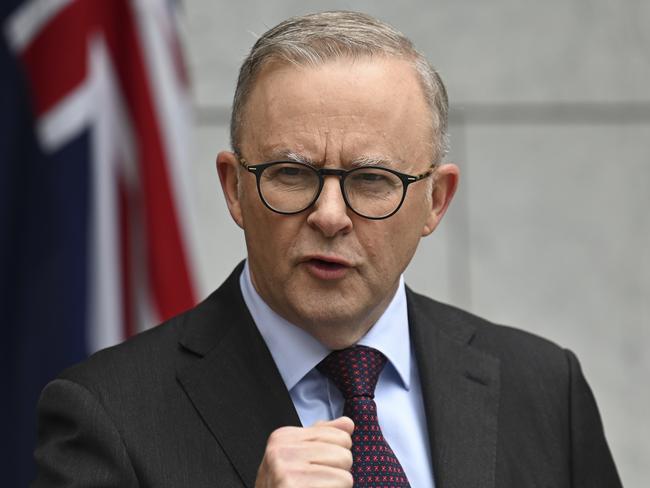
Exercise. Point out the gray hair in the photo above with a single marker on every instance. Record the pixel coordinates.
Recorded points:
(316, 38)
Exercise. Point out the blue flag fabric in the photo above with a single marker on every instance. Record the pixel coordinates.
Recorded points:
(43, 226)
(70, 159)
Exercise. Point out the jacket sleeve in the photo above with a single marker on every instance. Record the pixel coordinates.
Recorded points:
(592, 465)
(78, 444)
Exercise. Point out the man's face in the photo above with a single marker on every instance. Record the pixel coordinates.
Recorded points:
(328, 270)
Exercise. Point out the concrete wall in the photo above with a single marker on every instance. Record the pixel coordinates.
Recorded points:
(551, 127)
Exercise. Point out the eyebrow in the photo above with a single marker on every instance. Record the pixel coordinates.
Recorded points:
(372, 161)
(298, 158)
(362, 161)
(288, 155)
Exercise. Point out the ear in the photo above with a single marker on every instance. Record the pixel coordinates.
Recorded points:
(228, 169)
(444, 188)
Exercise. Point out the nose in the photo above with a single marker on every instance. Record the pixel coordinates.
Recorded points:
(330, 213)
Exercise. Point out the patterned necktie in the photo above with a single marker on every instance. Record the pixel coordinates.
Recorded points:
(355, 372)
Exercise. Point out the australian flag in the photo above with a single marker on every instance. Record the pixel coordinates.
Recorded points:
(95, 218)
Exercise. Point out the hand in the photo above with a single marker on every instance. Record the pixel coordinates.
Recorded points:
(309, 457)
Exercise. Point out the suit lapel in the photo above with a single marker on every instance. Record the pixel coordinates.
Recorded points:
(233, 381)
(460, 386)
(234, 384)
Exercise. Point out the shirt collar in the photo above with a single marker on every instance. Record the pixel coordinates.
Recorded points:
(390, 335)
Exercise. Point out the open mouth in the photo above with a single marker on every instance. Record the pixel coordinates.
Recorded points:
(321, 263)
(324, 269)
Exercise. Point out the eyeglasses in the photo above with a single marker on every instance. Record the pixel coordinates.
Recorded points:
(373, 192)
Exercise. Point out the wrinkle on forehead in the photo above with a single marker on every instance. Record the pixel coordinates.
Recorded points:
(339, 114)
(375, 159)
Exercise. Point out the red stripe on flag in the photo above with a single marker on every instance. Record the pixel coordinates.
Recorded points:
(168, 268)
(56, 59)
(56, 62)
(180, 67)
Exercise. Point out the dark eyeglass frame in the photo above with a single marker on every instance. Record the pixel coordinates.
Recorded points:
(258, 169)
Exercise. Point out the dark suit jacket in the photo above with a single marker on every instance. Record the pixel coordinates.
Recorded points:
(191, 403)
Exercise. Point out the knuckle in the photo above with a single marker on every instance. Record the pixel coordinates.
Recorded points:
(275, 454)
(349, 460)
(280, 435)
(345, 439)
(347, 480)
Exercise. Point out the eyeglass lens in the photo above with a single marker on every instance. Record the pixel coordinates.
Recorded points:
(291, 187)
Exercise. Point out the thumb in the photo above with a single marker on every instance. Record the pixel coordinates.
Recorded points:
(343, 423)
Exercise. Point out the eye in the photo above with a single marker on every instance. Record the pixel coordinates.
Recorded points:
(371, 177)
(289, 171)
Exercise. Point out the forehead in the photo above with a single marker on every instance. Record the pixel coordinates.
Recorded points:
(343, 109)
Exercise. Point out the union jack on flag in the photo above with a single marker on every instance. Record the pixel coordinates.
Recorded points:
(95, 192)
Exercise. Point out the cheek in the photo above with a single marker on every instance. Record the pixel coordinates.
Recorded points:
(385, 247)
(398, 243)
(270, 237)
(258, 226)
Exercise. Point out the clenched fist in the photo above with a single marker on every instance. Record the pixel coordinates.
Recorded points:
(308, 457)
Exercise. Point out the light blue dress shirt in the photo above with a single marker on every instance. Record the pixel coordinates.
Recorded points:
(398, 394)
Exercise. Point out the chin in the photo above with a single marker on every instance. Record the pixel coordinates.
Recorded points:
(336, 335)
(333, 325)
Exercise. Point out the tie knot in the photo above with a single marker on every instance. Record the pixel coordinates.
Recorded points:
(354, 370)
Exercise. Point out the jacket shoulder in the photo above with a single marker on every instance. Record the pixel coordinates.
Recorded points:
(164, 349)
(149, 354)
(507, 343)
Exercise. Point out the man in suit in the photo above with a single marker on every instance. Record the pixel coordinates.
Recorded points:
(338, 135)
